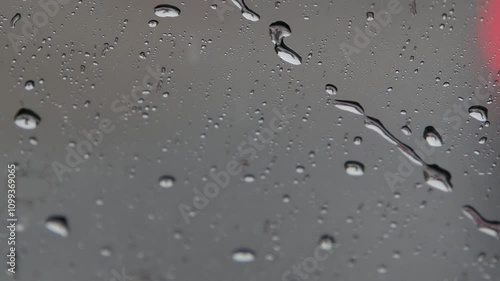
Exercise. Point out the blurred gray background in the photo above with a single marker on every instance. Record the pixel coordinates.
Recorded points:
(223, 80)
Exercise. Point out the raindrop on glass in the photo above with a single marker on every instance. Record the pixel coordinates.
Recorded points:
(15, 19)
(243, 255)
(27, 119)
(406, 130)
(166, 181)
(331, 89)
(58, 225)
(479, 113)
(354, 168)
(326, 242)
(432, 137)
(29, 85)
(153, 23)
(165, 10)
(249, 178)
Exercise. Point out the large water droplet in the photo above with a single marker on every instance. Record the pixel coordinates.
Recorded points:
(15, 19)
(165, 10)
(279, 30)
(27, 119)
(479, 113)
(349, 106)
(245, 11)
(486, 227)
(432, 137)
(437, 177)
(288, 54)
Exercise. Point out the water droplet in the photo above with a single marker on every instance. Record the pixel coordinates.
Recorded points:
(249, 178)
(486, 227)
(15, 19)
(279, 30)
(288, 54)
(166, 181)
(29, 85)
(33, 141)
(165, 10)
(369, 16)
(479, 113)
(354, 168)
(58, 225)
(432, 137)
(483, 140)
(243, 255)
(331, 89)
(105, 252)
(437, 177)
(299, 169)
(358, 140)
(153, 23)
(349, 106)
(382, 269)
(27, 119)
(245, 11)
(406, 130)
(326, 242)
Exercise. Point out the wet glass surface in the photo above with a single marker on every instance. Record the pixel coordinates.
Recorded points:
(255, 140)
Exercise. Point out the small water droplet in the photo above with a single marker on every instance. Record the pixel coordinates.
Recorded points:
(354, 168)
(406, 130)
(29, 85)
(299, 169)
(153, 23)
(249, 178)
(382, 269)
(326, 242)
(369, 16)
(243, 255)
(166, 181)
(58, 225)
(331, 89)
